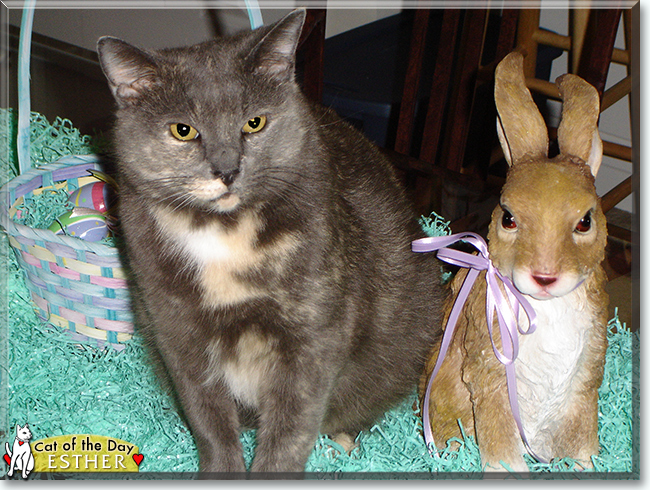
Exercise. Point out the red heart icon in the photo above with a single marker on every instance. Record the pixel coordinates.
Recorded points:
(7, 459)
(138, 458)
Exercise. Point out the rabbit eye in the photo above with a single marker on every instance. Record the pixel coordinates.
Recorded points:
(584, 225)
(508, 221)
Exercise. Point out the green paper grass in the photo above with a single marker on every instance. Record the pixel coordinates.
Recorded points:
(49, 141)
(61, 386)
(40, 211)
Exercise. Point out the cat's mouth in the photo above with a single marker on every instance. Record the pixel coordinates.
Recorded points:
(217, 195)
(227, 202)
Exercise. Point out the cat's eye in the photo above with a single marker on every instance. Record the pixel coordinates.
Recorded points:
(508, 221)
(183, 132)
(584, 225)
(254, 125)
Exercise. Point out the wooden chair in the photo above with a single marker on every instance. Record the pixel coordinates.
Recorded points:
(441, 179)
(311, 48)
(459, 122)
(590, 45)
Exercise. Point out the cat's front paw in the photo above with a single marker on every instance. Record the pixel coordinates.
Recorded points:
(263, 467)
(218, 465)
(346, 441)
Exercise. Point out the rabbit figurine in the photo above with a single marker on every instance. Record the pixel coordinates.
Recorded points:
(547, 236)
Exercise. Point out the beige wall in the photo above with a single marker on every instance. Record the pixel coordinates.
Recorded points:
(157, 28)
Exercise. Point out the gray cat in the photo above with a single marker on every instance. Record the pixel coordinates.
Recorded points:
(270, 248)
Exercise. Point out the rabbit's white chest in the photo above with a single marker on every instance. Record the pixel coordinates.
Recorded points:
(548, 361)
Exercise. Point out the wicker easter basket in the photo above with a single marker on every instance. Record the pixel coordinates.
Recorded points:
(74, 284)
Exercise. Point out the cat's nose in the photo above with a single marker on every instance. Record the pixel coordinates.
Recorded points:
(225, 163)
(228, 177)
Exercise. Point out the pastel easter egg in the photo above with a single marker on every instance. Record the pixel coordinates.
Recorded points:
(98, 196)
(84, 223)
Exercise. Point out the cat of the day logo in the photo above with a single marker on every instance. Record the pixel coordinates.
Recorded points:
(76, 453)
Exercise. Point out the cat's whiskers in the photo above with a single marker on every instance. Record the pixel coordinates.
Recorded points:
(176, 189)
(183, 200)
(272, 172)
(317, 122)
(178, 197)
(284, 189)
(333, 123)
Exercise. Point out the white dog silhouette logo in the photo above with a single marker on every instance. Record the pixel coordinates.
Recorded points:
(19, 456)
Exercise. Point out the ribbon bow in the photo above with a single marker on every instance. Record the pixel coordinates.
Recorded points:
(505, 305)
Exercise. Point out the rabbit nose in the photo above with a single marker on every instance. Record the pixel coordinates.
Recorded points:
(544, 280)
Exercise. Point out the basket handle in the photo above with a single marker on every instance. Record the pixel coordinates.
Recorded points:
(254, 13)
(24, 109)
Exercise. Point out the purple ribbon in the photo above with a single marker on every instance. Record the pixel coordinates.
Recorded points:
(504, 302)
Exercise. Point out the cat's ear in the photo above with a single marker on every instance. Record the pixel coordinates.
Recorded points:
(129, 70)
(275, 53)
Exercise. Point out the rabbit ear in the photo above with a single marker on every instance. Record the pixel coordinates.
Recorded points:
(578, 134)
(521, 128)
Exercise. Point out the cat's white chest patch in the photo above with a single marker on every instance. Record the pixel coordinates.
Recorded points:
(222, 254)
(246, 370)
(208, 245)
(219, 253)
(549, 359)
